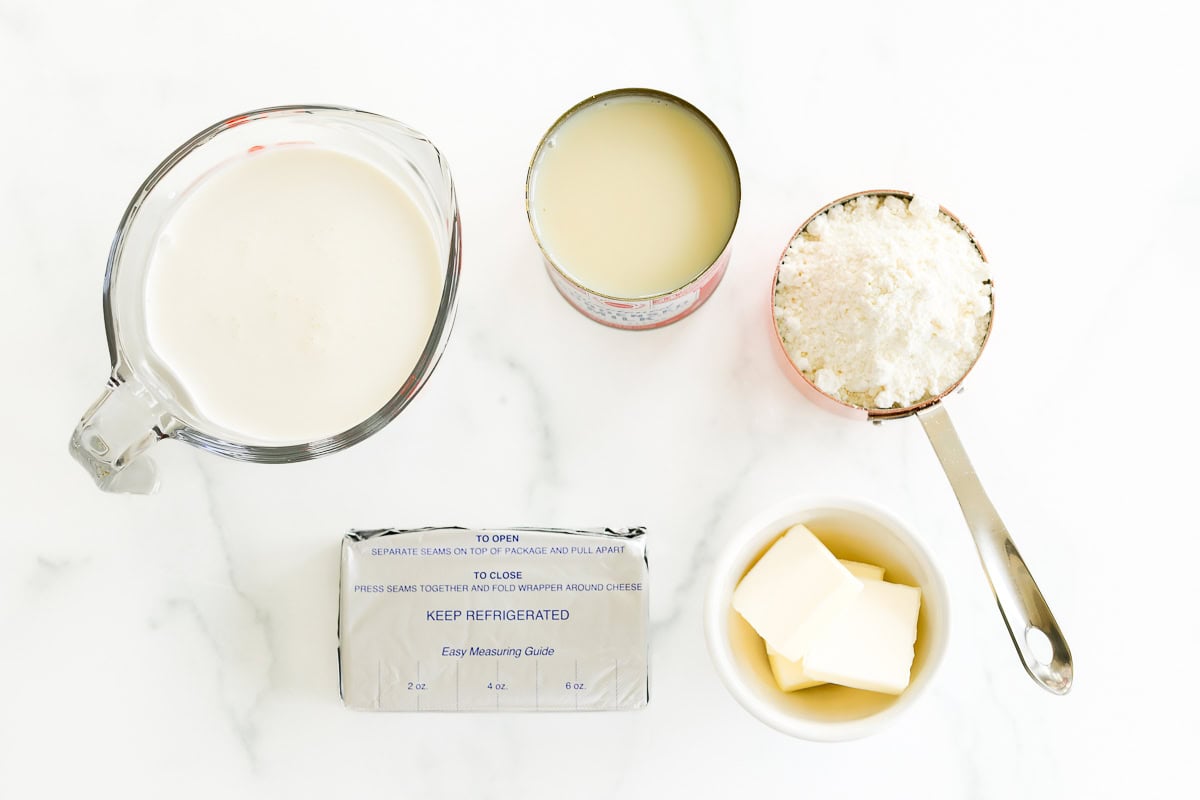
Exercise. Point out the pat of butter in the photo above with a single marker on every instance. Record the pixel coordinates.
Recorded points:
(871, 645)
(794, 592)
(863, 571)
(790, 675)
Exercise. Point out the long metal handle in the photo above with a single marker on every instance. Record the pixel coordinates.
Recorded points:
(1037, 637)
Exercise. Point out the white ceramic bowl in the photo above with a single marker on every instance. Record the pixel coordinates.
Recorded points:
(854, 530)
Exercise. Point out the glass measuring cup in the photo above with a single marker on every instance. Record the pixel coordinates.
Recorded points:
(1035, 633)
(141, 403)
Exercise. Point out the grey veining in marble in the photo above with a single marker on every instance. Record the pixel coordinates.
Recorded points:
(183, 645)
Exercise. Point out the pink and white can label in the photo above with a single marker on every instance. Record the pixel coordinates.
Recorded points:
(638, 314)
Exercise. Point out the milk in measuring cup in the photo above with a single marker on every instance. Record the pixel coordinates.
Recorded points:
(291, 293)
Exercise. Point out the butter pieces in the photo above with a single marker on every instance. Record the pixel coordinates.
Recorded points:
(862, 571)
(790, 675)
(794, 592)
(827, 620)
(871, 644)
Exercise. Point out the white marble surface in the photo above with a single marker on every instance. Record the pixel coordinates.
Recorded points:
(182, 645)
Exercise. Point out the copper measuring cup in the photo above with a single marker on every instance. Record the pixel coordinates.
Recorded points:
(1035, 633)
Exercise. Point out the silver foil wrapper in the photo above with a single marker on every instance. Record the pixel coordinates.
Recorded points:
(494, 619)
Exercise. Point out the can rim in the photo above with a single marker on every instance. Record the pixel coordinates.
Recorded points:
(609, 95)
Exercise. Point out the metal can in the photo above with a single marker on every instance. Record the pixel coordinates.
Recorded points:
(639, 311)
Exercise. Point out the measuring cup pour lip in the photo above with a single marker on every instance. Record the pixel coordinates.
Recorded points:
(157, 415)
(828, 401)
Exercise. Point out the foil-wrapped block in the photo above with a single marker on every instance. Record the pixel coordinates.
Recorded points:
(494, 619)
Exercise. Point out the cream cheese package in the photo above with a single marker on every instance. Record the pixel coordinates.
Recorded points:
(494, 619)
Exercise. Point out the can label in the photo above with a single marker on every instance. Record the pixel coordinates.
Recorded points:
(642, 314)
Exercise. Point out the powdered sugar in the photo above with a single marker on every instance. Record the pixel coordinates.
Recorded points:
(883, 302)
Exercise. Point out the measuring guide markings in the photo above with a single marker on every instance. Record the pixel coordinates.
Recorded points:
(446, 619)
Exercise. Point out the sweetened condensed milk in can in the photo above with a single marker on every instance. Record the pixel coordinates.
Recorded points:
(633, 196)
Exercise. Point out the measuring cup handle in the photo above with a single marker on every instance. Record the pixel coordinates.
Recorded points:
(113, 434)
(1021, 603)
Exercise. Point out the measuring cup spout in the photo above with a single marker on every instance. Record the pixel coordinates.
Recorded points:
(111, 438)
